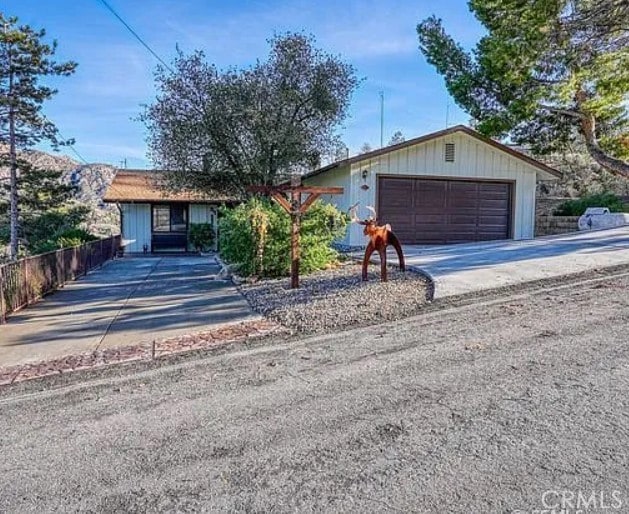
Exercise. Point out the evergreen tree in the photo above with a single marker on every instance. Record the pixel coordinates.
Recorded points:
(548, 72)
(24, 59)
(397, 138)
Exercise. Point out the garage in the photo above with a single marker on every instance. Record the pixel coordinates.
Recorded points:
(450, 186)
(443, 211)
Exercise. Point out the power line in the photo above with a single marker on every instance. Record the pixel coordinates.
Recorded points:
(135, 34)
(74, 150)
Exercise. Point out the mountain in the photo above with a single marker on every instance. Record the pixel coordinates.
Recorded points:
(91, 181)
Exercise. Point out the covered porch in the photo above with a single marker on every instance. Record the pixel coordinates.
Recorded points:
(155, 219)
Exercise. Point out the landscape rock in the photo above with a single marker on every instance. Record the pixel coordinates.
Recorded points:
(338, 298)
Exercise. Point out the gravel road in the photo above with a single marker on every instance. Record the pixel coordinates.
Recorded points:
(508, 404)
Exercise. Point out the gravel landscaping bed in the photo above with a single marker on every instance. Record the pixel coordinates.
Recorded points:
(338, 298)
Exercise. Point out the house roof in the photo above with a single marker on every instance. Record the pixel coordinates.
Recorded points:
(132, 186)
(434, 135)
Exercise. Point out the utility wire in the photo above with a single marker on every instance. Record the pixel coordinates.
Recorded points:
(74, 150)
(135, 34)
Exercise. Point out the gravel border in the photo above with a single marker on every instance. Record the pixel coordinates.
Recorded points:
(338, 298)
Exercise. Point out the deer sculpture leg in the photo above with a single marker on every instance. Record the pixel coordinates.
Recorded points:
(393, 240)
(368, 251)
(383, 263)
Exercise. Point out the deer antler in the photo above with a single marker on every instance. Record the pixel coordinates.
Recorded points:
(352, 213)
(373, 211)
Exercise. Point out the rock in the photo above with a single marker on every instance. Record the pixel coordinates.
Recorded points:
(337, 298)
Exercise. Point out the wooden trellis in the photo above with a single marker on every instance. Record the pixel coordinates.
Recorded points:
(296, 199)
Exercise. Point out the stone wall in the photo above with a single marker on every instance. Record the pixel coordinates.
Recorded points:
(545, 205)
(548, 225)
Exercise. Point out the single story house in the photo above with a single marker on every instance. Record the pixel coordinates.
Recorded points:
(155, 219)
(451, 186)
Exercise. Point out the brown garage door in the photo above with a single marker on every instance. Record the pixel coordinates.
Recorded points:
(433, 211)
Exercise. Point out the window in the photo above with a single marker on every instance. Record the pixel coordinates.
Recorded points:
(161, 218)
(170, 218)
(178, 218)
(449, 152)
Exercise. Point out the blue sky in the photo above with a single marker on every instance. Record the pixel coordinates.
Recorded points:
(97, 104)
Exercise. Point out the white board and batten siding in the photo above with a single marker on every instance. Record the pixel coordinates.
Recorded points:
(136, 223)
(338, 177)
(136, 226)
(474, 159)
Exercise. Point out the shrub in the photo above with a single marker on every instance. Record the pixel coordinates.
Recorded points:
(256, 237)
(201, 236)
(65, 239)
(74, 237)
(578, 206)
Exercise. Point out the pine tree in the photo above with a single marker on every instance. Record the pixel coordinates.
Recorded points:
(24, 59)
(549, 73)
(396, 138)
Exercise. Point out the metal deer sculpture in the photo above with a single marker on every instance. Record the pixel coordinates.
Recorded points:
(379, 238)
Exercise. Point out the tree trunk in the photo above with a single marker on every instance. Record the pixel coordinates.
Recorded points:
(611, 164)
(588, 128)
(13, 217)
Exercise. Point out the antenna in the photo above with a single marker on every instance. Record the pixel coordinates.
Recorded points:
(447, 113)
(381, 119)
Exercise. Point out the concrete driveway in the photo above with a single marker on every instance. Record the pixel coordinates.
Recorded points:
(466, 268)
(128, 301)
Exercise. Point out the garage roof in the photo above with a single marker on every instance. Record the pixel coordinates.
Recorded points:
(428, 137)
(132, 186)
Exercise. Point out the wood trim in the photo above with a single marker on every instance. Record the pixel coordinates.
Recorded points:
(442, 177)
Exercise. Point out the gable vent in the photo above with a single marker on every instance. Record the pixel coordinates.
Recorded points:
(449, 152)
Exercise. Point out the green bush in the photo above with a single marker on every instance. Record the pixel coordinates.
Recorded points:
(256, 237)
(65, 239)
(578, 206)
(201, 236)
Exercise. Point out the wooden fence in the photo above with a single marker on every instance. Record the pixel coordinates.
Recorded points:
(25, 281)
